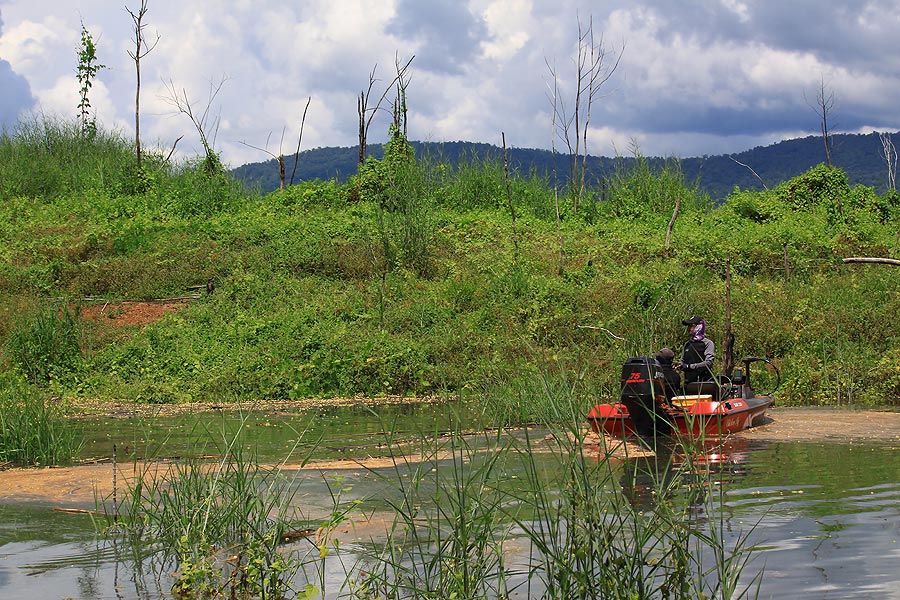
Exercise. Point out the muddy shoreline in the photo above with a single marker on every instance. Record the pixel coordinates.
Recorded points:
(81, 485)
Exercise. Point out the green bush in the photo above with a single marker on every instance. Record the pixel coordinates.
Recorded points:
(46, 345)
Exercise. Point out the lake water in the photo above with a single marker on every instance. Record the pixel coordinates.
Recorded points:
(824, 515)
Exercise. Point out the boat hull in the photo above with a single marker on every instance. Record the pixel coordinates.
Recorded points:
(698, 419)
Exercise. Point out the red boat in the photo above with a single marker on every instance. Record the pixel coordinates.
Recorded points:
(703, 409)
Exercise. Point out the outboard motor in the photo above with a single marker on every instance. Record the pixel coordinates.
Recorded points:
(643, 393)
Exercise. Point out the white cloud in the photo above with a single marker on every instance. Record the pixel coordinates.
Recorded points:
(707, 76)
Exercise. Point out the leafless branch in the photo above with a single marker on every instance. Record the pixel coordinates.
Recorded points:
(181, 102)
(748, 167)
(300, 139)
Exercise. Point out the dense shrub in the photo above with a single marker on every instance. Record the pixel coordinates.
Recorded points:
(411, 279)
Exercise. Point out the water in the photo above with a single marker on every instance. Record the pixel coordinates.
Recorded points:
(823, 515)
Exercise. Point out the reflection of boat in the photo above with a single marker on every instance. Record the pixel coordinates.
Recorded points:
(706, 408)
(688, 468)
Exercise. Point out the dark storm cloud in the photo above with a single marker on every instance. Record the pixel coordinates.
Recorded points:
(682, 117)
(448, 33)
(856, 33)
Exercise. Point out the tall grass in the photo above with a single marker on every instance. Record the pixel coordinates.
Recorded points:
(46, 344)
(33, 429)
(504, 514)
(47, 158)
(491, 515)
(220, 525)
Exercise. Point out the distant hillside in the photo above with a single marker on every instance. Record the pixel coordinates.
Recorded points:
(859, 155)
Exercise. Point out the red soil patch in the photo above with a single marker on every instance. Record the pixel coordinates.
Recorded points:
(129, 313)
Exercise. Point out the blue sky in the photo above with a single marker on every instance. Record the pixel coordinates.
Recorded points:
(695, 76)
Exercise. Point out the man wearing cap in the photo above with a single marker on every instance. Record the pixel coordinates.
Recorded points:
(698, 353)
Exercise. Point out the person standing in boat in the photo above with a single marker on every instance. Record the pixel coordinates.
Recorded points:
(698, 353)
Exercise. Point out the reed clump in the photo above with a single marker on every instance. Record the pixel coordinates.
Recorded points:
(34, 430)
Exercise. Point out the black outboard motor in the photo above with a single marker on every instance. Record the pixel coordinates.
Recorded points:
(643, 393)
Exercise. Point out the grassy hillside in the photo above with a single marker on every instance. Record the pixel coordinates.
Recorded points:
(414, 278)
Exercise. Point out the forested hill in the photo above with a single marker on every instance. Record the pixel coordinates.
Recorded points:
(860, 156)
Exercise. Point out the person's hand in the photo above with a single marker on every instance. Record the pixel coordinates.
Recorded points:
(678, 365)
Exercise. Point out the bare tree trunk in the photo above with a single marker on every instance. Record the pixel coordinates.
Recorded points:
(672, 220)
(361, 111)
(512, 208)
(138, 19)
(890, 157)
(300, 139)
(728, 345)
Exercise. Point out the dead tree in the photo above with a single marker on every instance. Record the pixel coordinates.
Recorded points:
(672, 220)
(140, 51)
(206, 129)
(366, 113)
(823, 107)
(890, 157)
(554, 98)
(300, 139)
(278, 157)
(400, 108)
(509, 199)
(728, 345)
(593, 68)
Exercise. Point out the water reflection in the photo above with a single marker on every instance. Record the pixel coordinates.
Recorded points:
(824, 516)
(687, 470)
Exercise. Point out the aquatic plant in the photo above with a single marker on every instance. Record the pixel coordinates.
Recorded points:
(220, 524)
(33, 427)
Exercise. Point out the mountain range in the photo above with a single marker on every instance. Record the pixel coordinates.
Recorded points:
(861, 156)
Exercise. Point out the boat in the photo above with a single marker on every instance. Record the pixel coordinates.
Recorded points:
(702, 409)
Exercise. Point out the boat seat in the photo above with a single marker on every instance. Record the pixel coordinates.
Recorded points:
(706, 388)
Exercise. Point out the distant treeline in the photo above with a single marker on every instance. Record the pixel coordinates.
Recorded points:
(859, 155)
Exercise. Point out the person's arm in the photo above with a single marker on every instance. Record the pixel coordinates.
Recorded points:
(709, 355)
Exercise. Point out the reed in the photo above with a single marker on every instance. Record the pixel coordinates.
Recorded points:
(504, 512)
(220, 524)
(34, 430)
(449, 525)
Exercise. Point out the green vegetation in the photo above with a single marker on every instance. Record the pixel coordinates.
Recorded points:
(461, 516)
(220, 525)
(404, 280)
(33, 429)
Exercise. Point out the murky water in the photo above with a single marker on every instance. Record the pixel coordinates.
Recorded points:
(825, 516)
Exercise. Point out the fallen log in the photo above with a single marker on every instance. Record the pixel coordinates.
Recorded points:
(866, 259)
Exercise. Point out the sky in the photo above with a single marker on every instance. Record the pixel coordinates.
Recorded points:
(686, 78)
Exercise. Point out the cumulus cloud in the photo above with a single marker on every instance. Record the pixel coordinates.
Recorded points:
(696, 77)
(16, 98)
